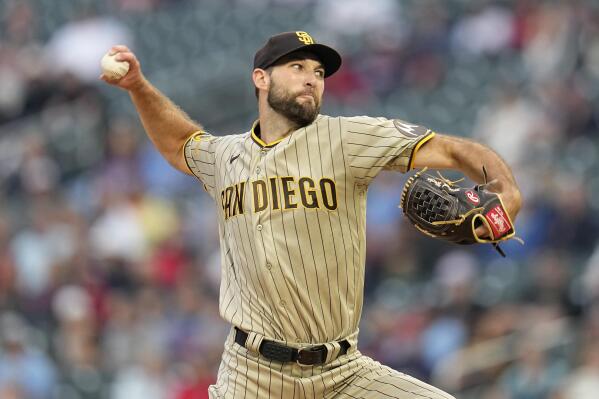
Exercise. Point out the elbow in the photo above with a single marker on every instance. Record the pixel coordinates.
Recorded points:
(176, 158)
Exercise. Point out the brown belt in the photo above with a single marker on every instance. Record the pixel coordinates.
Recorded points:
(272, 350)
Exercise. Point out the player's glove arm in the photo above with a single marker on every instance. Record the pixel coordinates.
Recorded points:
(469, 157)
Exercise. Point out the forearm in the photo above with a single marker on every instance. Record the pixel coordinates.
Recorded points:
(165, 123)
(469, 157)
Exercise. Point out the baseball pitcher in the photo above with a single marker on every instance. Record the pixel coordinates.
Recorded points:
(291, 202)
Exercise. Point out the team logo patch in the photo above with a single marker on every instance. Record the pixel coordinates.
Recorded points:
(498, 220)
(304, 37)
(408, 130)
(473, 197)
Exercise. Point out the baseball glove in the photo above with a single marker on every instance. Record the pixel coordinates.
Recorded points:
(440, 208)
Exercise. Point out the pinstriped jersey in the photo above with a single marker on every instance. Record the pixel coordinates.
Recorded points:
(292, 218)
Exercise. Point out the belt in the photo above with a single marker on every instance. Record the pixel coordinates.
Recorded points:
(272, 350)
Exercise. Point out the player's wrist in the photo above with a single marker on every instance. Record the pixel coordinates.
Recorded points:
(139, 86)
(509, 193)
(512, 201)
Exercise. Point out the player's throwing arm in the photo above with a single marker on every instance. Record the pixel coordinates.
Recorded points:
(166, 124)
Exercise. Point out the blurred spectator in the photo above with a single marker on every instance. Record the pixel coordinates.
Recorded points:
(72, 309)
(140, 6)
(349, 85)
(20, 22)
(590, 41)
(168, 263)
(590, 278)
(118, 232)
(11, 392)
(146, 380)
(571, 219)
(24, 369)
(487, 30)
(17, 48)
(383, 213)
(76, 47)
(443, 337)
(14, 91)
(549, 281)
(118, 338)
(584, 381)
(39, 173)
(119, 173)
(196, 378)
(549, 48)
(535, 375)
(515, 127)
(455, 276)
(7, 267)
(158, 177)
(75, 341)
(355, 18)
(39, 249)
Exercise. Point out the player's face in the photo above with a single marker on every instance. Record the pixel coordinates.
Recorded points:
(296, 89)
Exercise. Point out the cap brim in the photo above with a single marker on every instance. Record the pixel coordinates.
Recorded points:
(330, 58)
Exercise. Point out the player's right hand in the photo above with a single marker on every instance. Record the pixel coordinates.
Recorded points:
(134, 78)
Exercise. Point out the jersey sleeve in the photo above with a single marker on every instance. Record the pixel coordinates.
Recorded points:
(200, 158)
(375, 144)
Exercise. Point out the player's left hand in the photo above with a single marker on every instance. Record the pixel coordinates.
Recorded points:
(512, 201)
(440, 208)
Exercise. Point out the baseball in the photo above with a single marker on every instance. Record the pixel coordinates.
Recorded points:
(112, 68)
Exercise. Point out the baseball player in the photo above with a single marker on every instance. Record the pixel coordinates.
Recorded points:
(291, 201)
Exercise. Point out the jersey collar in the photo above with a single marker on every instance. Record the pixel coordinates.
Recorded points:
(256, 136)
(255, 133)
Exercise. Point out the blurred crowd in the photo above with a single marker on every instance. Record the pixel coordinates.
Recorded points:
(109, 262)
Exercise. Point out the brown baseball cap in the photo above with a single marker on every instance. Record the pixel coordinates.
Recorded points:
(286, 43)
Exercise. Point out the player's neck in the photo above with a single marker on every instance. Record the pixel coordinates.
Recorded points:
(274, 126)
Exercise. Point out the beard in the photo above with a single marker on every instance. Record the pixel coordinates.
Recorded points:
(286, 104)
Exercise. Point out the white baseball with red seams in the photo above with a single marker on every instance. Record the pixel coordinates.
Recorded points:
(113, 68)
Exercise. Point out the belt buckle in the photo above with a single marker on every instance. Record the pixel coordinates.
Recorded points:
(309, 354)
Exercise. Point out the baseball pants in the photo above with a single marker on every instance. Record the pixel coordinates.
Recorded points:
(245, 374)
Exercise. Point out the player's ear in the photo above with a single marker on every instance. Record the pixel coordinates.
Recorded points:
(261, 79)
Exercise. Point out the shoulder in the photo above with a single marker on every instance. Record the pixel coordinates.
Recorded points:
(322, 120)
(364, 120)
(237, 137)
(229, 139)
(353, 120)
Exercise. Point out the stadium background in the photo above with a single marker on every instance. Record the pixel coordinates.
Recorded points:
(108, 258)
